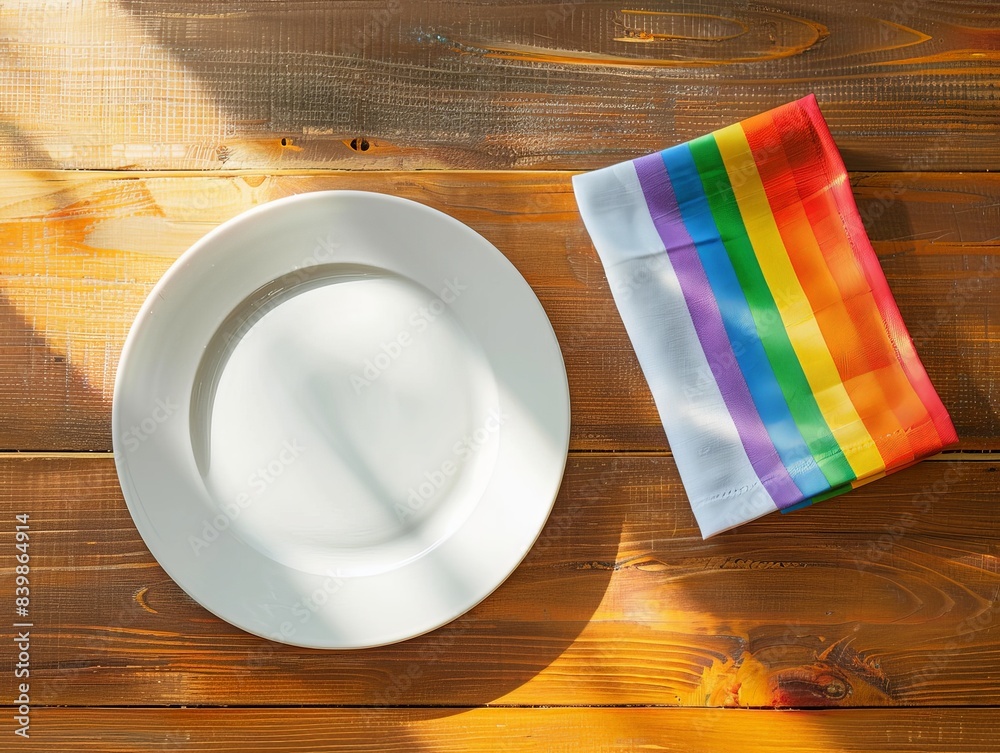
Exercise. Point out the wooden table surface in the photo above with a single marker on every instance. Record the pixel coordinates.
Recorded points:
(129, 128)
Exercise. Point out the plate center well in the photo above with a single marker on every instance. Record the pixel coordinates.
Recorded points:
(344, 420)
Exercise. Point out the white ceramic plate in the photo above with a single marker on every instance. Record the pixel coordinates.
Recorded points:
(340, 419)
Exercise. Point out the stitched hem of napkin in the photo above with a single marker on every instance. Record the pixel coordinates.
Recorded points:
(729, 514)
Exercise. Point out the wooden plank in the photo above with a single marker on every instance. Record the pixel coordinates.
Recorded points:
(510, 730)
(888, 596)
(390, 84)
(79, 252)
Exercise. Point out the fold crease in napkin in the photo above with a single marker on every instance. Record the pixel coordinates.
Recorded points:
(778, 360)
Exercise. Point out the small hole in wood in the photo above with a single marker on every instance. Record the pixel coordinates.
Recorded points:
(360, 145)
(284, 141)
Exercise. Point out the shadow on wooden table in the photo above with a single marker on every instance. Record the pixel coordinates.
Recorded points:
(34, 372)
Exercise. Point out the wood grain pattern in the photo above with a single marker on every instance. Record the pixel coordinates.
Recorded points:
(880, 608)
(888, 596)
(508, 730)
(79, 253)
(388, 84)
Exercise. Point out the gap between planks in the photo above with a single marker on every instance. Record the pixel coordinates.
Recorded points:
(947, 455)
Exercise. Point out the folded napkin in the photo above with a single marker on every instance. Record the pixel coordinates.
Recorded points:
(779, 363)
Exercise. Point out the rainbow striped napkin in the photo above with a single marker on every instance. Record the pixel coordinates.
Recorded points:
(777, 357)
